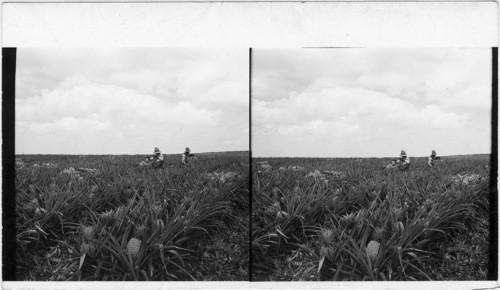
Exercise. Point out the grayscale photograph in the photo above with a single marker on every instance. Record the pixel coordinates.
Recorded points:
(371, 164)
(132, 164)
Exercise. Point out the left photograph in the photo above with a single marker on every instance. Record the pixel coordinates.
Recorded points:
(132, 164)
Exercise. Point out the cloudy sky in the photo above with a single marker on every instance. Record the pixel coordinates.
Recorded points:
(370, 102)
(128, 101)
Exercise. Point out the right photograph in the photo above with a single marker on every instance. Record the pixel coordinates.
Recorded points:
(371, 164)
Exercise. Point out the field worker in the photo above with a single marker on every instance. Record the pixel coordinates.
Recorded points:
(157, 159)
(392, 165)
(145, 162)
(186, 155)
(402, 162)
(431, 162)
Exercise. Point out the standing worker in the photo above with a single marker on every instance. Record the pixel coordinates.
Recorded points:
(157, 161)
(186, 155)
(431, 162)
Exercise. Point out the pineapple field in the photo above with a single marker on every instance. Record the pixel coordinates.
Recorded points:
(101, 218)
(348, 219)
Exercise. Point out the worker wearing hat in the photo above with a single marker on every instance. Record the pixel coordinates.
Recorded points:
(431, 161)
(402, 162)
(157, 158)
(186, 155)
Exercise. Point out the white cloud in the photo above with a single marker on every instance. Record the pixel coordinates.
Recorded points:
(263, 112)
(372, 108)
(454, 91)
(145, 81)
(208, 86)
(69, 124)
(393, 83)
(123, 100)
(324, 102)
(317, 127)
(77, 104)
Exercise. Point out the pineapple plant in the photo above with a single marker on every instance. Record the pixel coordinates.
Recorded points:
(398, 212)
(38, 213)
(53, 195)
(119, 213)
(325, 252)
(156, 209)
(159, 224)
(276, 192)
(348, 220)
(106, 216)
(125, 227)
(32, 189)
(327, 236)
(360, 215)
(88, 233)
(33, 205)
(424, 211)
(281, 215)
(88, 248)
(140, 231)
(372, 195)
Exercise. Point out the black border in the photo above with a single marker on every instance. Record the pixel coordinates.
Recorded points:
(250, 184)
(493, 241)
(8, 165)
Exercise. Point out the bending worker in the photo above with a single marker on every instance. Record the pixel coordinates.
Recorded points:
(145, 162)
(431, 162)
(157, 161)
(186, 155)
(402, 162)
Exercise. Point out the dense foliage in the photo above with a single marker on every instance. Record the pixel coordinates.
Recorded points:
(102, 218)
(350, 219)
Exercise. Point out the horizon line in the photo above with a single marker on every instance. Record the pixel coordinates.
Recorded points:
(253, 156)
(107, 154)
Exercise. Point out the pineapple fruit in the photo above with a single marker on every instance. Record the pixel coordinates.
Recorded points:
(372, 249)
(133, 246)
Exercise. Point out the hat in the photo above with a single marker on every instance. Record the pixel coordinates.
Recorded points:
(433, 153)
(187, 149)
(403, 153)
(157, 151)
